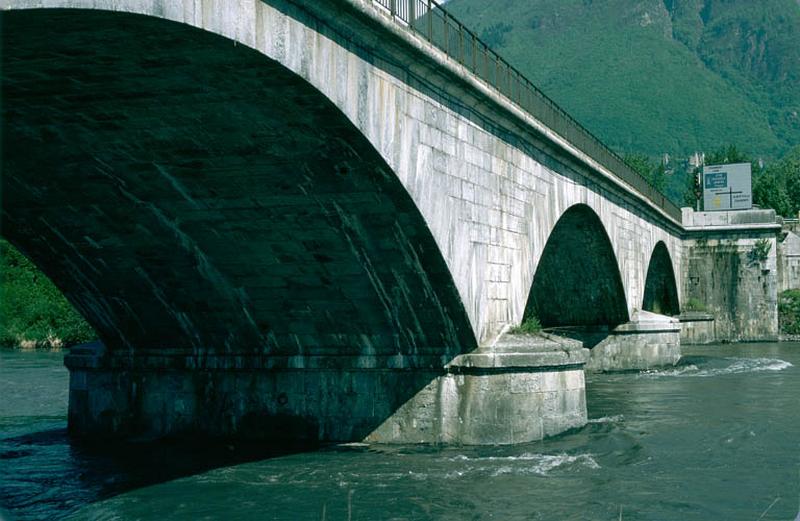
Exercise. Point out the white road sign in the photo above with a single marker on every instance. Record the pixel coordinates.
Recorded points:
(727, 187)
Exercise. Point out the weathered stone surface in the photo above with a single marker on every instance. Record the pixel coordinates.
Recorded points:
(520, 398)
(697, 328)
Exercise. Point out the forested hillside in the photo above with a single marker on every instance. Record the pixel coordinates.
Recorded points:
(656, 76)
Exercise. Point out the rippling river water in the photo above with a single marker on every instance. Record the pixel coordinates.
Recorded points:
(716, 438)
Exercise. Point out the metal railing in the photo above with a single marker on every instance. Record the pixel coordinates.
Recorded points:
(428, 19)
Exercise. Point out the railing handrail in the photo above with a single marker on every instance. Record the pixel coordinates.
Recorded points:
(408, 12)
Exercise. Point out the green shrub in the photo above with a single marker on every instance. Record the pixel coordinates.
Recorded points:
(694, 304)
(530, 325)
(760, 251)
(789, 312)
(33, 312)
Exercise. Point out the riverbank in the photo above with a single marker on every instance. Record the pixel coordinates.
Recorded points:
(33, 312)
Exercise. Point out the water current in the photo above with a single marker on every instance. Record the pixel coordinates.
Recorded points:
(715, 438)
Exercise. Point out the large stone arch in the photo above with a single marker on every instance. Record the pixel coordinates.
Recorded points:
(434, 193)
(577, 280)
(660, 289)
(189, 194)
(489, 180)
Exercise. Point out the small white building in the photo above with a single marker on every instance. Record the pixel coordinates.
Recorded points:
(789, 258)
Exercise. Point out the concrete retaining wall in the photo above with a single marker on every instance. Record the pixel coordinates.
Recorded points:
(725, 273)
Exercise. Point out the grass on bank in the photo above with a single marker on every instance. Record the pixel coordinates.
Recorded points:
(33, 312)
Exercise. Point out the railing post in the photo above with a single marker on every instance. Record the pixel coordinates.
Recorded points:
(486, 62)
(474, 55)
(392, 7)
(446, 31)
(461, 59)
(412, 12)
(430, 20)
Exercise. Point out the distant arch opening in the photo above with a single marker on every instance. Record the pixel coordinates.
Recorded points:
(577, 280)
(660, 290)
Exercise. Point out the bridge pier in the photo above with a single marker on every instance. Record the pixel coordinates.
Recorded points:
(647, 341)
(510, 394)
(523, 388)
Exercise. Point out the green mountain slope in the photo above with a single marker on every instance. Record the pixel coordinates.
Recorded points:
(655, 76)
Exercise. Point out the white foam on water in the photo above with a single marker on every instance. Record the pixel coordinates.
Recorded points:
(606, 419)
(418, 476)
(749, 365)
(544, 464)
(686, 370)
(735, 366)
(527, 463)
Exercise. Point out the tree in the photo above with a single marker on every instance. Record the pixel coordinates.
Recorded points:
(787, 172)
(728, 154)
(769, 191)
(654, 174)
(693, 190)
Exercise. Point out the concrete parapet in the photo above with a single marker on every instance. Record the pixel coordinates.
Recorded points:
(525, 389)
(735, 218)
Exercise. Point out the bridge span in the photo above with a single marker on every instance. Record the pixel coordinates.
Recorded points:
(321, 219)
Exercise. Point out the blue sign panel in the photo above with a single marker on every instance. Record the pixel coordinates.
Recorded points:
(716, 180)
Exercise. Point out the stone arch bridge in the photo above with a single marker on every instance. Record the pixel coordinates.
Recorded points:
(309, 218)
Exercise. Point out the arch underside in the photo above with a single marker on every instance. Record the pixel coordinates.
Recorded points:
(577, 280)
(660, 289)
(184, 192)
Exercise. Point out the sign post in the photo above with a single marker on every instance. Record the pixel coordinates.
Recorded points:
(727, 187)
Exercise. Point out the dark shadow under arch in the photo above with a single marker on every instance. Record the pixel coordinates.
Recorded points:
(187, 193)
(660, 290)
(577, 280)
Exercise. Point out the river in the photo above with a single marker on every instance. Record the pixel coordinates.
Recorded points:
(715, 438)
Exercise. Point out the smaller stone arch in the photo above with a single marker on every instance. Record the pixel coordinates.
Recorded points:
(577, 280)
(660, 290)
